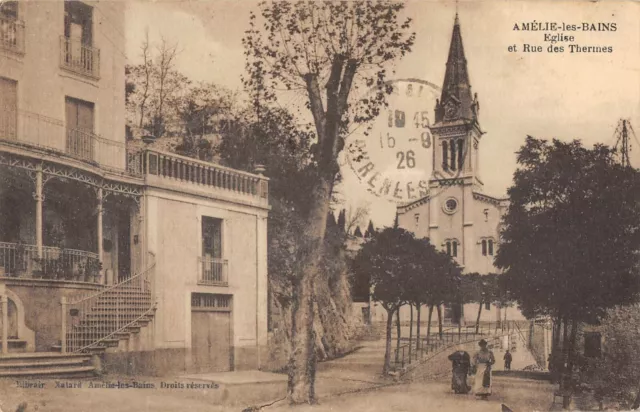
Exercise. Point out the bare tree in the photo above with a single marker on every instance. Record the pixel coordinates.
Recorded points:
(356, 216)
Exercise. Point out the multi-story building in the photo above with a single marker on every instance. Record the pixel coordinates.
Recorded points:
(155, 261)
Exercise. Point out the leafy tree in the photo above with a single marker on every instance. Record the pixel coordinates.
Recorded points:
(325, 51)
(388, 257)
(434, 280)
(357, 232)
(482, 289)
(615, 375)
(571, 235)
(206, 111)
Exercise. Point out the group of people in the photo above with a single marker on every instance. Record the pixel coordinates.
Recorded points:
(480, 365)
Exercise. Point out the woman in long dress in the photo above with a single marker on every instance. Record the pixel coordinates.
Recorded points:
(461, 363)
(482, 361)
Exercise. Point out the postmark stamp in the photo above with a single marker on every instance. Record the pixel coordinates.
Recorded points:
(396, 159)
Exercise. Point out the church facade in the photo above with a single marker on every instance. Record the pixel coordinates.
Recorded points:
(457, 215)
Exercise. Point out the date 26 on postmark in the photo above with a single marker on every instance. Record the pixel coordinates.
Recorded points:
(395, 160)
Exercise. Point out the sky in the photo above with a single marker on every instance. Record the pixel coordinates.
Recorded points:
(546, 95)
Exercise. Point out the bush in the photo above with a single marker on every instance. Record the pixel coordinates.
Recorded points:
(614, 377)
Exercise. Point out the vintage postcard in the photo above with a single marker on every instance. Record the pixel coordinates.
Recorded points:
(421, 205)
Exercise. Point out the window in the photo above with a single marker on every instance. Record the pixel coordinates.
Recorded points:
(211, 237)
(78, 22)
(9, 10)
(210, 301)
(453, 154)
(417, 217)
(452, 248)
(8, 109)
(77, 52)
(460, 154)
(80, 138)
(11, 29)
(213, 267)
(487, 247)
(487, 305)
(445, 156)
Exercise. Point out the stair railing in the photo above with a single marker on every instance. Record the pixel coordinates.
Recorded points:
(99, 318)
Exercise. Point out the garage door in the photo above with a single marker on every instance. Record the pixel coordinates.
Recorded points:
(211, 332)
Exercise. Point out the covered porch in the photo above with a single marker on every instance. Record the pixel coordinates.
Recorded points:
(63, 232)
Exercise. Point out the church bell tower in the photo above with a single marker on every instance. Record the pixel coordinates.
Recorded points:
(456, 130)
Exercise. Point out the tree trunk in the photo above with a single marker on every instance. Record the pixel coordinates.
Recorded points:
(398, 334)
(570, 362)
(478, 318)
(440, 321)
(410, 330)
(418, 329)
(562, 362)
(429, 323)
(387, 351)
(302, 362)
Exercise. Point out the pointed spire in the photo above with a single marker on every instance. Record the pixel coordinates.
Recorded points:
(456, 101)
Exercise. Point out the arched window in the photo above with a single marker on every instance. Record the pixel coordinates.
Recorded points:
(452, 248)
(445, 156)
(453, 154)
(460, 154)
(490, 244)
(484, 247)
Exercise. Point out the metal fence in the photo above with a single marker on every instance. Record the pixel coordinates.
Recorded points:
(79, 57)
(19, 260)
(213, 271)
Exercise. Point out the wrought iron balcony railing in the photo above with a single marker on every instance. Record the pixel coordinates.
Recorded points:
(11, 34)
(213, 271)
(21, 261)
(79, 57)
(48, 133)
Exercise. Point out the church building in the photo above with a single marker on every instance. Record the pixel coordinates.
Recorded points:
(457, 216)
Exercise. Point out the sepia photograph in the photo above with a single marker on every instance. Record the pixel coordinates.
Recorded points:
(319, 205)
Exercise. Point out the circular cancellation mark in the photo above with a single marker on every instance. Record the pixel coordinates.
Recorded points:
(395, 159)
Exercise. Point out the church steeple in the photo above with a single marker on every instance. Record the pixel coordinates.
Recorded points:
(456, 102)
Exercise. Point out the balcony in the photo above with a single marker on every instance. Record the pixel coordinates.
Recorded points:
(47, 133)
(79, 58)
(12, 35)
(170, 169)
(213, 271)
(21, 261)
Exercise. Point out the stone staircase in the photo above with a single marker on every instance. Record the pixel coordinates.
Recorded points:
(46, 365)
(109, 320)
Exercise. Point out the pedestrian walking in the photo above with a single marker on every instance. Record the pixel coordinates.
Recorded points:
(482, 361)
(507, 360)
(461, 366)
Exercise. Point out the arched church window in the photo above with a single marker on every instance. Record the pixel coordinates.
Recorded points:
(484, 247)
(460, 153)
(452, 248)
(490, 245)
(445, 156)
(453, 154)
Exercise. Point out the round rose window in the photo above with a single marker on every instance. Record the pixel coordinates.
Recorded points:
(450, 205)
